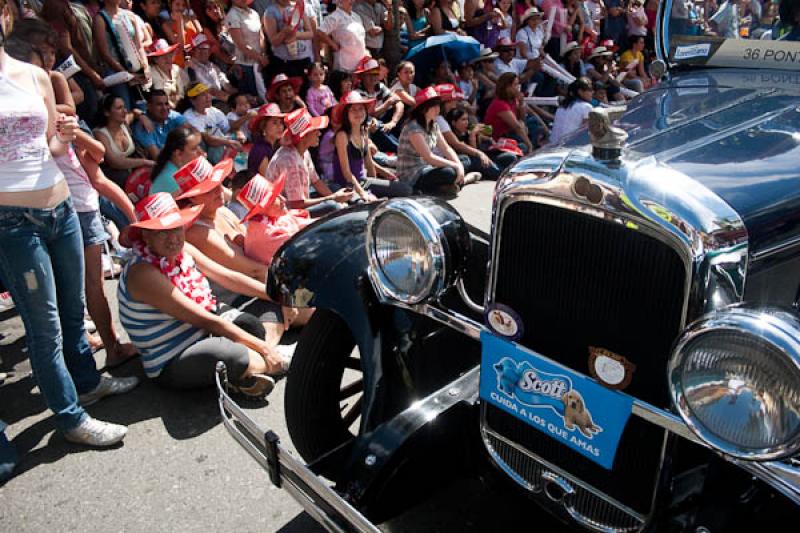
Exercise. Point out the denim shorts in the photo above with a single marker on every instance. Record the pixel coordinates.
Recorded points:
(92, 228)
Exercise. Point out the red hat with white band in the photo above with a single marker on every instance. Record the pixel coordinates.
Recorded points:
(199, 176)
(158, 212)
(367, 64)
(161, 47)
(449, 92)
(259, 193)
(351, 98)
(300, 122)
(504, 144)
(426, 94)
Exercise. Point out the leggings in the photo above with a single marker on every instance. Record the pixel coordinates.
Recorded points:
(195, 366)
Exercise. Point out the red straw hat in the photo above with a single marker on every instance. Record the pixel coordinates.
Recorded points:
(265, 111)
(161, 47)
(428, 93)
(198, 41)
(367, 64)
(259, 193)
(300, 122)
(351, 98)
(448, 92)
(158, 212)
(504, 144)
(138, 184)
(199, 176)
(279, 81)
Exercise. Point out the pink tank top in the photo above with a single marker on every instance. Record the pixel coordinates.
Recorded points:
(25, 160)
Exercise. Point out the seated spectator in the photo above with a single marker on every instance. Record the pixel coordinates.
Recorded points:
(238, 182)
(353, 167)
(417, 164)
(171, 315)
(503, 114)
(485, 74)
(210, 122)
(388, 109)
(404, 87)
(632, 62)
(344, 32)
(319, 96)
(183, 145)
(532, 34)
(283, 91)
(573, 111)
(269, 222)
(166, 75)
(293, 163)
(201, 69)
(571, 59)
(267, 130)
(600, 69)
(465, 141)
(180, 28)
(113, 131)
(150, 131)
(239, 115)
(506, 62)
(341, 83)
(445, 17)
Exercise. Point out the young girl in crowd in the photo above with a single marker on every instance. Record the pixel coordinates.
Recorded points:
(353, 166)
(183, 144)
(341, 83)
(239, 115)
(319, 96)
(404, 87)
(505, 23)
(574, 110)
(471, 141)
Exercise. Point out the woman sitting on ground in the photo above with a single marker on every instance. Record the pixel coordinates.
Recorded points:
(468, 141)
(353, 166)
(115, 134)
(219, 235)
(171, 315)
(508, 119)
(574, 110)
(267, 129)
(182, 145)
(417, 164)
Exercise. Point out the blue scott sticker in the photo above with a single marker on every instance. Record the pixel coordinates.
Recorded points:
(564, 405)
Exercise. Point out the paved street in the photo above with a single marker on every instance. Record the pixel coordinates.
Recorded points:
(178, 470)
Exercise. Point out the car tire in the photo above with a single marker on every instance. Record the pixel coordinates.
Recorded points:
(317, 387)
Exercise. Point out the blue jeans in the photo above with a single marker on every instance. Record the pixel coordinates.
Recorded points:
(113, 213)
(41, 262)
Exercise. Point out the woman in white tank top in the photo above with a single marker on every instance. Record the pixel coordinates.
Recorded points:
(40, 249)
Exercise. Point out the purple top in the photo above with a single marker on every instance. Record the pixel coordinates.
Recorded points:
(318, 100)
(258, 152)
(356, 159)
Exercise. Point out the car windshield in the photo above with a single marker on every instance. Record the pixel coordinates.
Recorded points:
(734, 33)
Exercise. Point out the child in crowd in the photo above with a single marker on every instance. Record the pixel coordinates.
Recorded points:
(319, 96)
(239, 115)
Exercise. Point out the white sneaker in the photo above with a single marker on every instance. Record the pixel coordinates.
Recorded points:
(107, 387)
(94, 432)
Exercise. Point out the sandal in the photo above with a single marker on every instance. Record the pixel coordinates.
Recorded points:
(471, 177)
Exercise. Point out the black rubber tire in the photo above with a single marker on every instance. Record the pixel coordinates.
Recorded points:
(311, 400)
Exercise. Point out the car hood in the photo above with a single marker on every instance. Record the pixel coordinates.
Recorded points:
(736, 132)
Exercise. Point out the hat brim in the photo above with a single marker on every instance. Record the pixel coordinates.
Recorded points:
(218, 174)
(607, 53)
(524, 19)
(316, 123)
(435, 98)
(487, 57)
(337, 113)
(185, 217)
(259, 208)
(273, 89)
(170, 49)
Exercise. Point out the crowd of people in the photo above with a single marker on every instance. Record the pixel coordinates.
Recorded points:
(195, 137)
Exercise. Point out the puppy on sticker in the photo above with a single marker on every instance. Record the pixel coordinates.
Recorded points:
(507, 375)
(576, 414)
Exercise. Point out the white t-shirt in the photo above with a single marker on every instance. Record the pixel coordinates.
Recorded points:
(569, 119)
(347, 30)
(532, 41)
(249, 22)
(210, 75)
(517, 66)
(412, 90)
(213, 122)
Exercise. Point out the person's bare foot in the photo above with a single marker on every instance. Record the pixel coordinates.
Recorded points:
(120, 354)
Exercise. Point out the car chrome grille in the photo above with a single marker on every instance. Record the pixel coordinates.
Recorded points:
(577, 281)
(584, 506)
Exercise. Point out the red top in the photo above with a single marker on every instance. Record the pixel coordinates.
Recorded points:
(492, 118)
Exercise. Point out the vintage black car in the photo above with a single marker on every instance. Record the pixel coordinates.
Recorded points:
(623, 346)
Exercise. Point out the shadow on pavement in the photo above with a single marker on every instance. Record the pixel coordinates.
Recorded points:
(302, 523)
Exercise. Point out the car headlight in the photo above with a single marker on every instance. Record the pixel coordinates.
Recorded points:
(417, 247)
(735, 380)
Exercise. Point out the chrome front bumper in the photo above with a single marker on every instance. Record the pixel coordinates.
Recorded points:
(317, 498)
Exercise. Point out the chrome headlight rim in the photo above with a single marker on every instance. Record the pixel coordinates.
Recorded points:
(776, 327)
(434, 237)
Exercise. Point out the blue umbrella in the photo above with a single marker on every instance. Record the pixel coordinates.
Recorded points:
(455, 49)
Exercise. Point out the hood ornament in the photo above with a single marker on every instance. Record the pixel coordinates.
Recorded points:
(607, 140)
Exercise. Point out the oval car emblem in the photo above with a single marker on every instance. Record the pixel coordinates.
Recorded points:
(609, 368)
(504, 321)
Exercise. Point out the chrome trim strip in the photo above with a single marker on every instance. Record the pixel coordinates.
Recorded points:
(777, 248)
(251, 438)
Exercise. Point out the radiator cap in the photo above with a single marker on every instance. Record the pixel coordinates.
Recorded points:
(607, 140)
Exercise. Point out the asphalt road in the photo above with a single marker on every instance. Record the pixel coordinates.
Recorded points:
(178, 469)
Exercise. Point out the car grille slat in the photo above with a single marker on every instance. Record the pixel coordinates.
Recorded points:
(580, 281)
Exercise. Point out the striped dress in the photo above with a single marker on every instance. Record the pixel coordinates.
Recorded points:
(156, 335)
